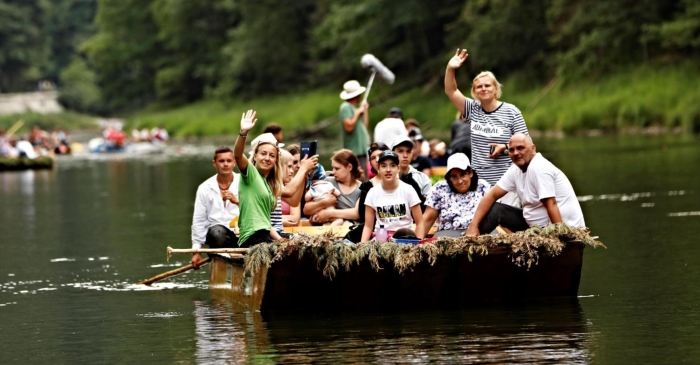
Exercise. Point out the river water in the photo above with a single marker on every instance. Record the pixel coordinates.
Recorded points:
(75, 239)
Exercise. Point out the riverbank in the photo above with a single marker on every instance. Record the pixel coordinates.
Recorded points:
(647, 99)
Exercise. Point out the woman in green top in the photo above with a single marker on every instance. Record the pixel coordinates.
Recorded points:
(260, 186)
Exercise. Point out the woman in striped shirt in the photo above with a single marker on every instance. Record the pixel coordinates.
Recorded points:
(493, 122)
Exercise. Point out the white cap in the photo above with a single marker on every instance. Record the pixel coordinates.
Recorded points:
(264, 138)
(400, 139)
(457, 161)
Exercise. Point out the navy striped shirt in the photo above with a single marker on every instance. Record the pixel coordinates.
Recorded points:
(492, 127)
(276, 217)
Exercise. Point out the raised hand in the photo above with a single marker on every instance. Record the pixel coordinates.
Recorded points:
(309, 163)
(458, 59)
(248, 121)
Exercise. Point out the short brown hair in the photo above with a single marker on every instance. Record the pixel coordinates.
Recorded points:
(294, 149)
(222, 149)
(273, 128)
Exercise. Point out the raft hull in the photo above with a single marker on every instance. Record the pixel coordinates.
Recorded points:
(297, 284)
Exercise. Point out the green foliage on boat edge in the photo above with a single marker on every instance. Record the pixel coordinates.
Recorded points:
(332, 254)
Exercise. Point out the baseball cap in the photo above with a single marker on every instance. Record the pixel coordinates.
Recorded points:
(388, 155)
(415, 134)
(395, 111)
(457, 161)
(401, 141)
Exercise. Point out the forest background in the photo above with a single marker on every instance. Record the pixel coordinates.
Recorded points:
(194, 66)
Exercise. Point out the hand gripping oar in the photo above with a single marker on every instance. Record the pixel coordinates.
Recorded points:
(174, 272)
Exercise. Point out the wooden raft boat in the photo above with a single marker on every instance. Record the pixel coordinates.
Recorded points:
(23, 163)
(294, 283)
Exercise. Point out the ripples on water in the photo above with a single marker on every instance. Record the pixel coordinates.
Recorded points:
(78, 237)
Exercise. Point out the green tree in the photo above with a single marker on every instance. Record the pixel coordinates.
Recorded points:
(71, 23)
(267, 51)
(24, 46)
(80, 91)
(502, 35)
(595, 36)
(408, 36)
(682, 32)
(193, 34)
(125, 52)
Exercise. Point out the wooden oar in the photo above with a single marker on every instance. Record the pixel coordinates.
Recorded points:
(14, 128)
(174, 272)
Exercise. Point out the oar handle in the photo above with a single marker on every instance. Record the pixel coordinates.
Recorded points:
(174, 272)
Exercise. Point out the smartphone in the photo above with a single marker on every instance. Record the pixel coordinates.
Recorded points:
(309, 148)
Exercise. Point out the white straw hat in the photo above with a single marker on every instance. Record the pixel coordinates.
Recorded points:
(352, 89)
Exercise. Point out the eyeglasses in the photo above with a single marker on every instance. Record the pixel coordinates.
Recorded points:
(461, 176)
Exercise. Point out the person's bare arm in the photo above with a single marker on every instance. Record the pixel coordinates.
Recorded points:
(325, 215)
(313, 207)
(350, 122)
(365, 114)
(247, 123)
(369, 224)
(485, 205)
(275, 236)
(292, 192)
(292, 219)
(552, 209)
(418, 218)
(429, 217)
(453, 93)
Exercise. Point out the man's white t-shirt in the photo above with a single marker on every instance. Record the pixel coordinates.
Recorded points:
(393, 210)
(543, 180)
(387, 129)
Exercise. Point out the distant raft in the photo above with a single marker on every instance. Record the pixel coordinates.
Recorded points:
(23, 163)
(322, 272)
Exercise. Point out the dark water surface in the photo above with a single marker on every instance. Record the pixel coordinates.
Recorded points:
(75, 240)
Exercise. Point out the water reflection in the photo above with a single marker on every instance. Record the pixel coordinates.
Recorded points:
(541, 333)
(227, 335)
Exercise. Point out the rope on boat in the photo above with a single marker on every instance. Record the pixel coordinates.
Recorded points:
(236, 253)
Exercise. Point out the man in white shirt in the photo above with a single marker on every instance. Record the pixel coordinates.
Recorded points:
(216, 206)
(545, 192)
(390, 127)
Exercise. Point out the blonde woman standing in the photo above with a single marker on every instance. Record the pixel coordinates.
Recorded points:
(492, 121)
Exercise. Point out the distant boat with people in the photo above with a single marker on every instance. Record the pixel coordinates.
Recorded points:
(24, 163)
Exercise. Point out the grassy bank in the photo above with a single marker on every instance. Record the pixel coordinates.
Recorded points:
(649, 95)
(637, 98)
(66, 120)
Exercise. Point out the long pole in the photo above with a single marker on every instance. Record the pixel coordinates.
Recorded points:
(174, 272)
(369, 84)
(233, 251)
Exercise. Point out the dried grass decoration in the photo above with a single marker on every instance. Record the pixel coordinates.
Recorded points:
(332, 253)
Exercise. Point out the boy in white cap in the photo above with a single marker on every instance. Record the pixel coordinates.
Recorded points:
(403, 147)
(355, 136)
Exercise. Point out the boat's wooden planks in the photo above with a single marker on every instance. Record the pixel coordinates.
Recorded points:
(298, 283)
